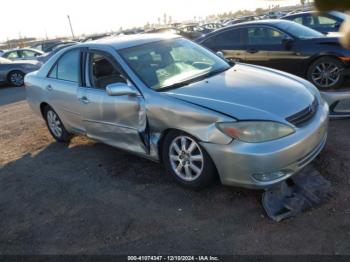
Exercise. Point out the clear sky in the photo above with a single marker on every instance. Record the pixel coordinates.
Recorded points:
(38, 17)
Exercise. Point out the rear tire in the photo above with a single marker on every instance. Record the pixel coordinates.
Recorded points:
(187, 161)
(326, 73)
(16, 78)
(55, 125)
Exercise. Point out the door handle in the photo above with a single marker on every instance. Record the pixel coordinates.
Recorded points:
(252, 51)
(49, 88)
(84, 100)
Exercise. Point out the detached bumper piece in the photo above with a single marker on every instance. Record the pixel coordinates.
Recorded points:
(303, 191)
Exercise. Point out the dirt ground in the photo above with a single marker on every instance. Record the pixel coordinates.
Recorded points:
(89, 198)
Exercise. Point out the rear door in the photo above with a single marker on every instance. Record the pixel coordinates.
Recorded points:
(229, 42)
(62, 85)
(116, 120)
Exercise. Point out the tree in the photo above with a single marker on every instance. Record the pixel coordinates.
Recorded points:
(302, 2)
(259, 11)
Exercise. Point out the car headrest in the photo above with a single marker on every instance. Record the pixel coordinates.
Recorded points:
(102, 68)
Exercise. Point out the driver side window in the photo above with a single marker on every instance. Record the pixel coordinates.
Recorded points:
(264, 36)
(103, 72)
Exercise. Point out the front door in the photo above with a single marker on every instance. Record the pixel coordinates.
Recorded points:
(116, 120)
(269, 47)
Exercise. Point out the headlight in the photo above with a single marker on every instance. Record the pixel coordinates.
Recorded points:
(255, 131)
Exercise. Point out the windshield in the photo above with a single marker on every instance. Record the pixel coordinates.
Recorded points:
(298, 30)
(163, 64)
(4, 61)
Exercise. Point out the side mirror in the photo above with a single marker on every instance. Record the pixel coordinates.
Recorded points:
(120, 89)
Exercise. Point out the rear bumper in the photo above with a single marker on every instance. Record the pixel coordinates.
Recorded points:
(238, 163)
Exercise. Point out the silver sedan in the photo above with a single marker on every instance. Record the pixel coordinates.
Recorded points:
(170, 100)
(13, 72)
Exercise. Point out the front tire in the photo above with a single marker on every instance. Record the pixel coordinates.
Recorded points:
(55, 125)
(187, 161)
(326, 73)
(16, 78)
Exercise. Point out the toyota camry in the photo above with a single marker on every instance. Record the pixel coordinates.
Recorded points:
(170, 100)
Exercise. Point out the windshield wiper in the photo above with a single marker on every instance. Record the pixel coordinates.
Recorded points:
(190, 81)
(177, 85)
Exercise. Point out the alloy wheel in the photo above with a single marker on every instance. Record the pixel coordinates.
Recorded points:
(17, 79)
(186, 158)
(326, 74)
(54, 123)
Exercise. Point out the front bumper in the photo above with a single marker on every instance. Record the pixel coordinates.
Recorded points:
(238, 161)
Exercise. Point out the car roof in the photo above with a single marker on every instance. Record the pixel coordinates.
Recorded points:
(269, 22)
(22, 49)
(300, 13)
(126, 41)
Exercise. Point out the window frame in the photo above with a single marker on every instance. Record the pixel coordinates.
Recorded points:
(80, 71)
(88, 68)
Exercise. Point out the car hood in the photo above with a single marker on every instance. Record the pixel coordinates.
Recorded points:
(249, 92)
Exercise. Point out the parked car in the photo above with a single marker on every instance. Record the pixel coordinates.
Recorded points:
(167, 30)
(47, 56)
(95, 37)
(192, 31)
(286, 46)
(209, 27)
(13, 72)
(47, 46)
(323, 22)
(241, 19)
(168, 99)
(22, 54)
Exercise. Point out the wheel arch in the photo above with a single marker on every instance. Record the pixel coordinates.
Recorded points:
(43, 105)
(319, 56)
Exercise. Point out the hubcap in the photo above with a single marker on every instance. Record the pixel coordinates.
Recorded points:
(54, 123)
(186, 158)
(17, 79)
(326, 74)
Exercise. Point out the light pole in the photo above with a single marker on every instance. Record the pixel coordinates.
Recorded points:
(71, 28)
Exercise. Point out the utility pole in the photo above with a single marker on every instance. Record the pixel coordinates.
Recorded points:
(71, 28)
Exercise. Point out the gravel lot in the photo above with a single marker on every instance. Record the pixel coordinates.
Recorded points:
(89, 198)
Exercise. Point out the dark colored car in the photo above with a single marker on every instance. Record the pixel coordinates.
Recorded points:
(322, 22)
(209, 27)
(241, 19)
(47, 46)
(43, 58)
(192, 31)
(286, 46)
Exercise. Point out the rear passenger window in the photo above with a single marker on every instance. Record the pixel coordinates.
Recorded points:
(68, 67)
(12, 55)
(226, 39)
(298, 20)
